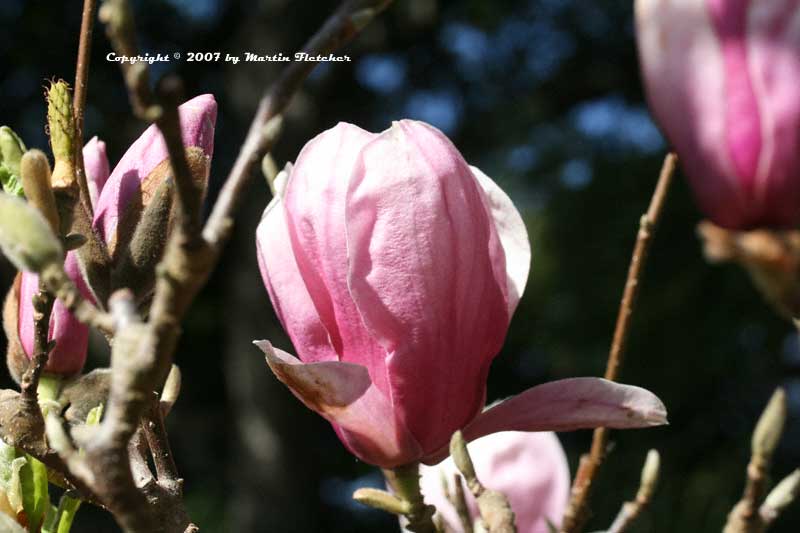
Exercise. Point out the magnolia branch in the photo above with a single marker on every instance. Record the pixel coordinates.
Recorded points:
(79, 98)
(577, 512)
(57, 281)
(142, 351)
(459, 502)
(494, 508)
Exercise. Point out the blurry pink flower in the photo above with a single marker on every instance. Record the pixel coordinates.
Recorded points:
(529, 468)
(723, 80)
(111, 197)
(395, 268)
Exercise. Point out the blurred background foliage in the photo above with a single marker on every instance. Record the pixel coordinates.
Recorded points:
(545, 97)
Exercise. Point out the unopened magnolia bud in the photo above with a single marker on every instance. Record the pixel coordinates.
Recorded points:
(380, 499)
(35, 172)
(11, 150)
(26, 237)
(136, 263)
(462, 460)
(650, 474)
(60, 119)
(770, 426)
(782, 495)
(62, 133)
(171, 390)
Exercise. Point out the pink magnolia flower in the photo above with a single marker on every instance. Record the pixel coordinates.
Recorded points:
(530, 469)
(136, 176)
(71, 336)
(112, 194)
(395, 268)
(723, 80)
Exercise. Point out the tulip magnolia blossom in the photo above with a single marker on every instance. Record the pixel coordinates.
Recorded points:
(530, 469)
(145, 166)
(723, 80)
(114, 195)
(395, 268)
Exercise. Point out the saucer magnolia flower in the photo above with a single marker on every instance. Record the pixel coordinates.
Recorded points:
(71, 336)
(124, 194)
(395, 268)
(119, 199)
(530, 469)
(723, 81)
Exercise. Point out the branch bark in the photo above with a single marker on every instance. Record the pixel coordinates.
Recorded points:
(142, 351)
(577, 513)
(79, 98)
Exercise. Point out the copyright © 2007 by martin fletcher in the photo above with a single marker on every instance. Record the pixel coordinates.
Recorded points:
(215, 57)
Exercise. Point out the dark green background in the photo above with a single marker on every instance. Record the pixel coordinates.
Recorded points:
(545, 97)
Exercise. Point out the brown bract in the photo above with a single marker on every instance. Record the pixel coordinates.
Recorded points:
(771, 257)
(15, 355)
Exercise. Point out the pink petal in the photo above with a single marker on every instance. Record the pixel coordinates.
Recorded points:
(568, 404)
(513, 236)
(529, 468)
(315, 214)
(71, 336)
(286, 288)
(344, 395)
(428, 275)
(684, 73)
(743, 133)
(95, 162)
(773, 52)
(198, 117)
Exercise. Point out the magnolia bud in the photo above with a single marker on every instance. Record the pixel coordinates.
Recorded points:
(26, 238)
(35, 171)
(769, 428)
(135, 207)
(62, 133)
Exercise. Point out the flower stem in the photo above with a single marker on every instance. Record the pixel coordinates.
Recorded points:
(404, 481)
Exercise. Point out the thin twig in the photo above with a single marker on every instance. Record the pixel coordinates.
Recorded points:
(459, 502)
(57, 281)
(28, 404)
(156, 435)
(633, 509)
(578, 509)
(404, 482)
(340, 28)
(189, 195)
(42, 303)
(79, 97)
(494, 507)
(746, 515)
